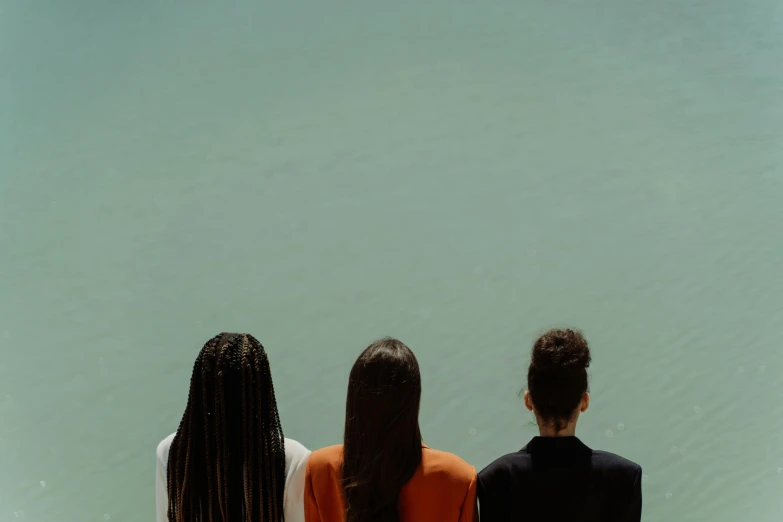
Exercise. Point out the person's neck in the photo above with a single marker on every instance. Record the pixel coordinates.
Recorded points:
(550, 431)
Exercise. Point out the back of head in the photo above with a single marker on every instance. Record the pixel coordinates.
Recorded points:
(227, 461)
(557, 377)
(382, 447)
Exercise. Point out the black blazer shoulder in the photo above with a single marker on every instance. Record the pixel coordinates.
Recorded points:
(604, 461)
(615, 463)
(585, 484)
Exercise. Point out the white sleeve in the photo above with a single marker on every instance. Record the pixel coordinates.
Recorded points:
(161, 482)
(293, 501)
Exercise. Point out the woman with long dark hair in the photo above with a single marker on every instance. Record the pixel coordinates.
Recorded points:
(383, 472)
(228, 461)
(556, 477)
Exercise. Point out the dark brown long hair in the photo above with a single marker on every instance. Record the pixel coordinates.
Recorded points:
(557, 377)
(382, 445)
(227, 460)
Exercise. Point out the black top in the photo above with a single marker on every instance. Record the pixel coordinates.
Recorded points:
(555, 479)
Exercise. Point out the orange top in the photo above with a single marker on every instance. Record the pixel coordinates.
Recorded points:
(443, 489)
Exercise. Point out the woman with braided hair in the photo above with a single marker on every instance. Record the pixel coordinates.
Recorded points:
(228, 460)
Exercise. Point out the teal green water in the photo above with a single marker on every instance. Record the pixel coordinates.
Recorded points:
(459, 174)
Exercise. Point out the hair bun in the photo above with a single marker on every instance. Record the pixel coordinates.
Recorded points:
(561, 351)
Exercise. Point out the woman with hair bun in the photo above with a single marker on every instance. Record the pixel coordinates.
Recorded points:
(556, 477)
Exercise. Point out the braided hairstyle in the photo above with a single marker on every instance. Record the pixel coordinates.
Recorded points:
(227, 460)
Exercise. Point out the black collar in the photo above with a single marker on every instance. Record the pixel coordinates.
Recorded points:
(548, 445)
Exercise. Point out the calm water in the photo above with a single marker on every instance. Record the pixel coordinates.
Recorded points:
(457, 174)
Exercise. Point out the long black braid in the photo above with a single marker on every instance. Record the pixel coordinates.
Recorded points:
(227, 460)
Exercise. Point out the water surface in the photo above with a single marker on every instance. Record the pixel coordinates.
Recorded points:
(456, 174)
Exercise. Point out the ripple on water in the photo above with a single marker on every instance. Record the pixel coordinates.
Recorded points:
(43, 483)
(609, 433)
(620, 426)
(697, 409)
(668, 494)
(472, 431)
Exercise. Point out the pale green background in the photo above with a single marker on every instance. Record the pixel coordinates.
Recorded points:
(459, 174)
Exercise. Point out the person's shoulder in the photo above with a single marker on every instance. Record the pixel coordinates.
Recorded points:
(295, 449)
(328, 457)
(433, 461)
(296, 455)
(611, 461)
(503, 465)
(162, 452)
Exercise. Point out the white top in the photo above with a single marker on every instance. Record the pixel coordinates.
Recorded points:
(293, 494)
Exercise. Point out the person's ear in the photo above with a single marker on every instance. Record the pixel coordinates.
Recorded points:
(585, 402)
(528, 401)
